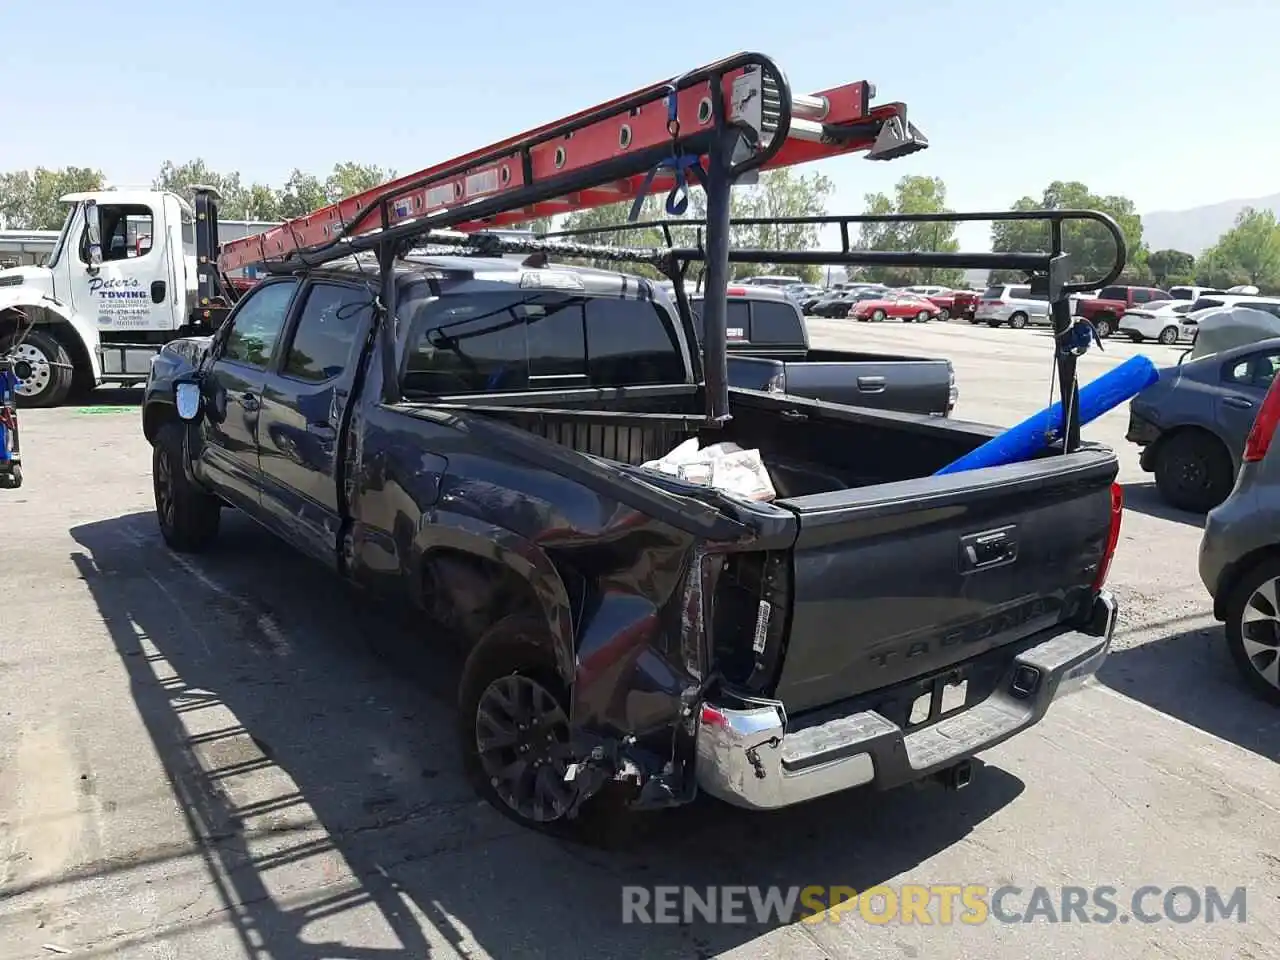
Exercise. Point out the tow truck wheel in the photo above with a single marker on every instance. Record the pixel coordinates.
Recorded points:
(43, 368)
(514, 735)
(188, 516)
(1169, 335)
(1018, 321)
(1253, 628)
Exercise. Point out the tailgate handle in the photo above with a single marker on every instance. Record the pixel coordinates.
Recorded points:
(991, 548)
(871, 384)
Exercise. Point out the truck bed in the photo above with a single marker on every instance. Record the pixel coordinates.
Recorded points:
(894, 573)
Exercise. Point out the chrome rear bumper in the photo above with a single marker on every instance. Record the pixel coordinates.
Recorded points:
(746, 757)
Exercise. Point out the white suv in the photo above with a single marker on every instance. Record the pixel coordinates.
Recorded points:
(1013, 304)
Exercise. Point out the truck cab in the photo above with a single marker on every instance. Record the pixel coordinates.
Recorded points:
(119, 283)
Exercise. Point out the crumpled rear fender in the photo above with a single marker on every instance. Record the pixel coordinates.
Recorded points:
(51, 311)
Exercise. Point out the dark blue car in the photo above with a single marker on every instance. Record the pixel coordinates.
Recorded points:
(1192, 423)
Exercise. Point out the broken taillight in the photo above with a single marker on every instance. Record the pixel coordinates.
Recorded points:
(1113, 536)
(1264, 425)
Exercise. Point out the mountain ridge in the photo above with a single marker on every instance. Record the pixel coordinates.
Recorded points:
(1196, 229)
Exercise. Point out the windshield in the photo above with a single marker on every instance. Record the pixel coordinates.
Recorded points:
(61, 242)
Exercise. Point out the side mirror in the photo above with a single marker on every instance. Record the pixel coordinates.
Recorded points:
(93, 226)
(187, 395)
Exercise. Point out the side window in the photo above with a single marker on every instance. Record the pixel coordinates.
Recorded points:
(1020, 293)
(468, 345)
(257, 324)
(631, 342)
(126, 232)
(1257, 370)
(1141, 296)
(326, 332)
(775, 323)
(1113, 293)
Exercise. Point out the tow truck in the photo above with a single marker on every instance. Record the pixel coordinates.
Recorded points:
(118, 284)
(478, 438)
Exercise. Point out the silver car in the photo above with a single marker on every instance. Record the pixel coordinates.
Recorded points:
(1013, 304)
(1240, 554)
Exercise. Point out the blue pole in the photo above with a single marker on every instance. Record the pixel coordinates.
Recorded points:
(1024, 441)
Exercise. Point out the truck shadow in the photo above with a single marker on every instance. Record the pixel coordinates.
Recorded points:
(1142, 497)
(1189, 675)
(307, 735)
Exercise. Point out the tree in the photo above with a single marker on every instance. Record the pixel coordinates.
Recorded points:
(1247, 253)
(1169, 267)
(301, 194)
(1090, 246)
(29, 198)
(348, 179)
(238, 202)
(910, 195)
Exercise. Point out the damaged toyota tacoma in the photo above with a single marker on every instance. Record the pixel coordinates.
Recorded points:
(622, 622)
(513, 445)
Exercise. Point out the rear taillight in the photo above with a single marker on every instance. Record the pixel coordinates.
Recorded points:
(1264, 425)
(1113, 536)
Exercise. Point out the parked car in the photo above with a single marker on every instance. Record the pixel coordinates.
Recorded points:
(1104, 310)
(927, 291)
(1165, 321)
(768, 349)
(1011, 303)
(1192, 293)
(1192, 423)
(839, 302)
(480, 455)
(955, 303)
(1240, 555)
(906, 307)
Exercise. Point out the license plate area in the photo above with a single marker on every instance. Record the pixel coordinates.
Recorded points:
(944, 694)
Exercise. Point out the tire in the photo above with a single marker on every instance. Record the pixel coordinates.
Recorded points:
(504, 661)
(11, 480)
(1018, 320)
(188, 516)
(877, 315)
(1255, 645)
(1168, 336)
(1105, 325)
(1193, 471)
(974, 320)
(922, 316)
(51, 371)
(944, 314)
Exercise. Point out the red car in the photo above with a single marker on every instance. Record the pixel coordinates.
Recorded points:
(906, 307)
(956, 303)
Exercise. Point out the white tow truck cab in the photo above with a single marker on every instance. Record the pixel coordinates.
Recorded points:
(121, 282)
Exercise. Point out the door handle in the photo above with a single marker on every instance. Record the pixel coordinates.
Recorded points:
(250, 401)
(871, 384)
(1240, 403)
(322, 430)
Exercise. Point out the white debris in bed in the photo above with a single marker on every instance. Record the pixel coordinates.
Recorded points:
(725, 466)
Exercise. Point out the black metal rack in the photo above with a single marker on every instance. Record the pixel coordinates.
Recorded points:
(1048, 271)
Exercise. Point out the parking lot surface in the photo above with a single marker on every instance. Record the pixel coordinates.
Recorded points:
(234, 756)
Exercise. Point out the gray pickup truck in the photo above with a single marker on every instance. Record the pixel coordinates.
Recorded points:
(768, 349)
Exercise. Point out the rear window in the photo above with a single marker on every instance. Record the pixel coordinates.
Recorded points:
(774, 323)
(515, 341)
(1204, 303)
(735, 319)
(1181, 293)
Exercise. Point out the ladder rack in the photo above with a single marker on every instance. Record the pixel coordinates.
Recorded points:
(657, 138)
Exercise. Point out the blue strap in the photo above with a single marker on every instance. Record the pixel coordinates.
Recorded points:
(680, 164)
(1080, 338)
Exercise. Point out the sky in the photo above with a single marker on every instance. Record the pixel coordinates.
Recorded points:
(1159, 100)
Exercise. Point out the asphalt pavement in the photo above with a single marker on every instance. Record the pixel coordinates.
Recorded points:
(234, 756)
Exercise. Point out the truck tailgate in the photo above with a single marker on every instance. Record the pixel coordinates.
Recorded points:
(902, 580)
(911, 386)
